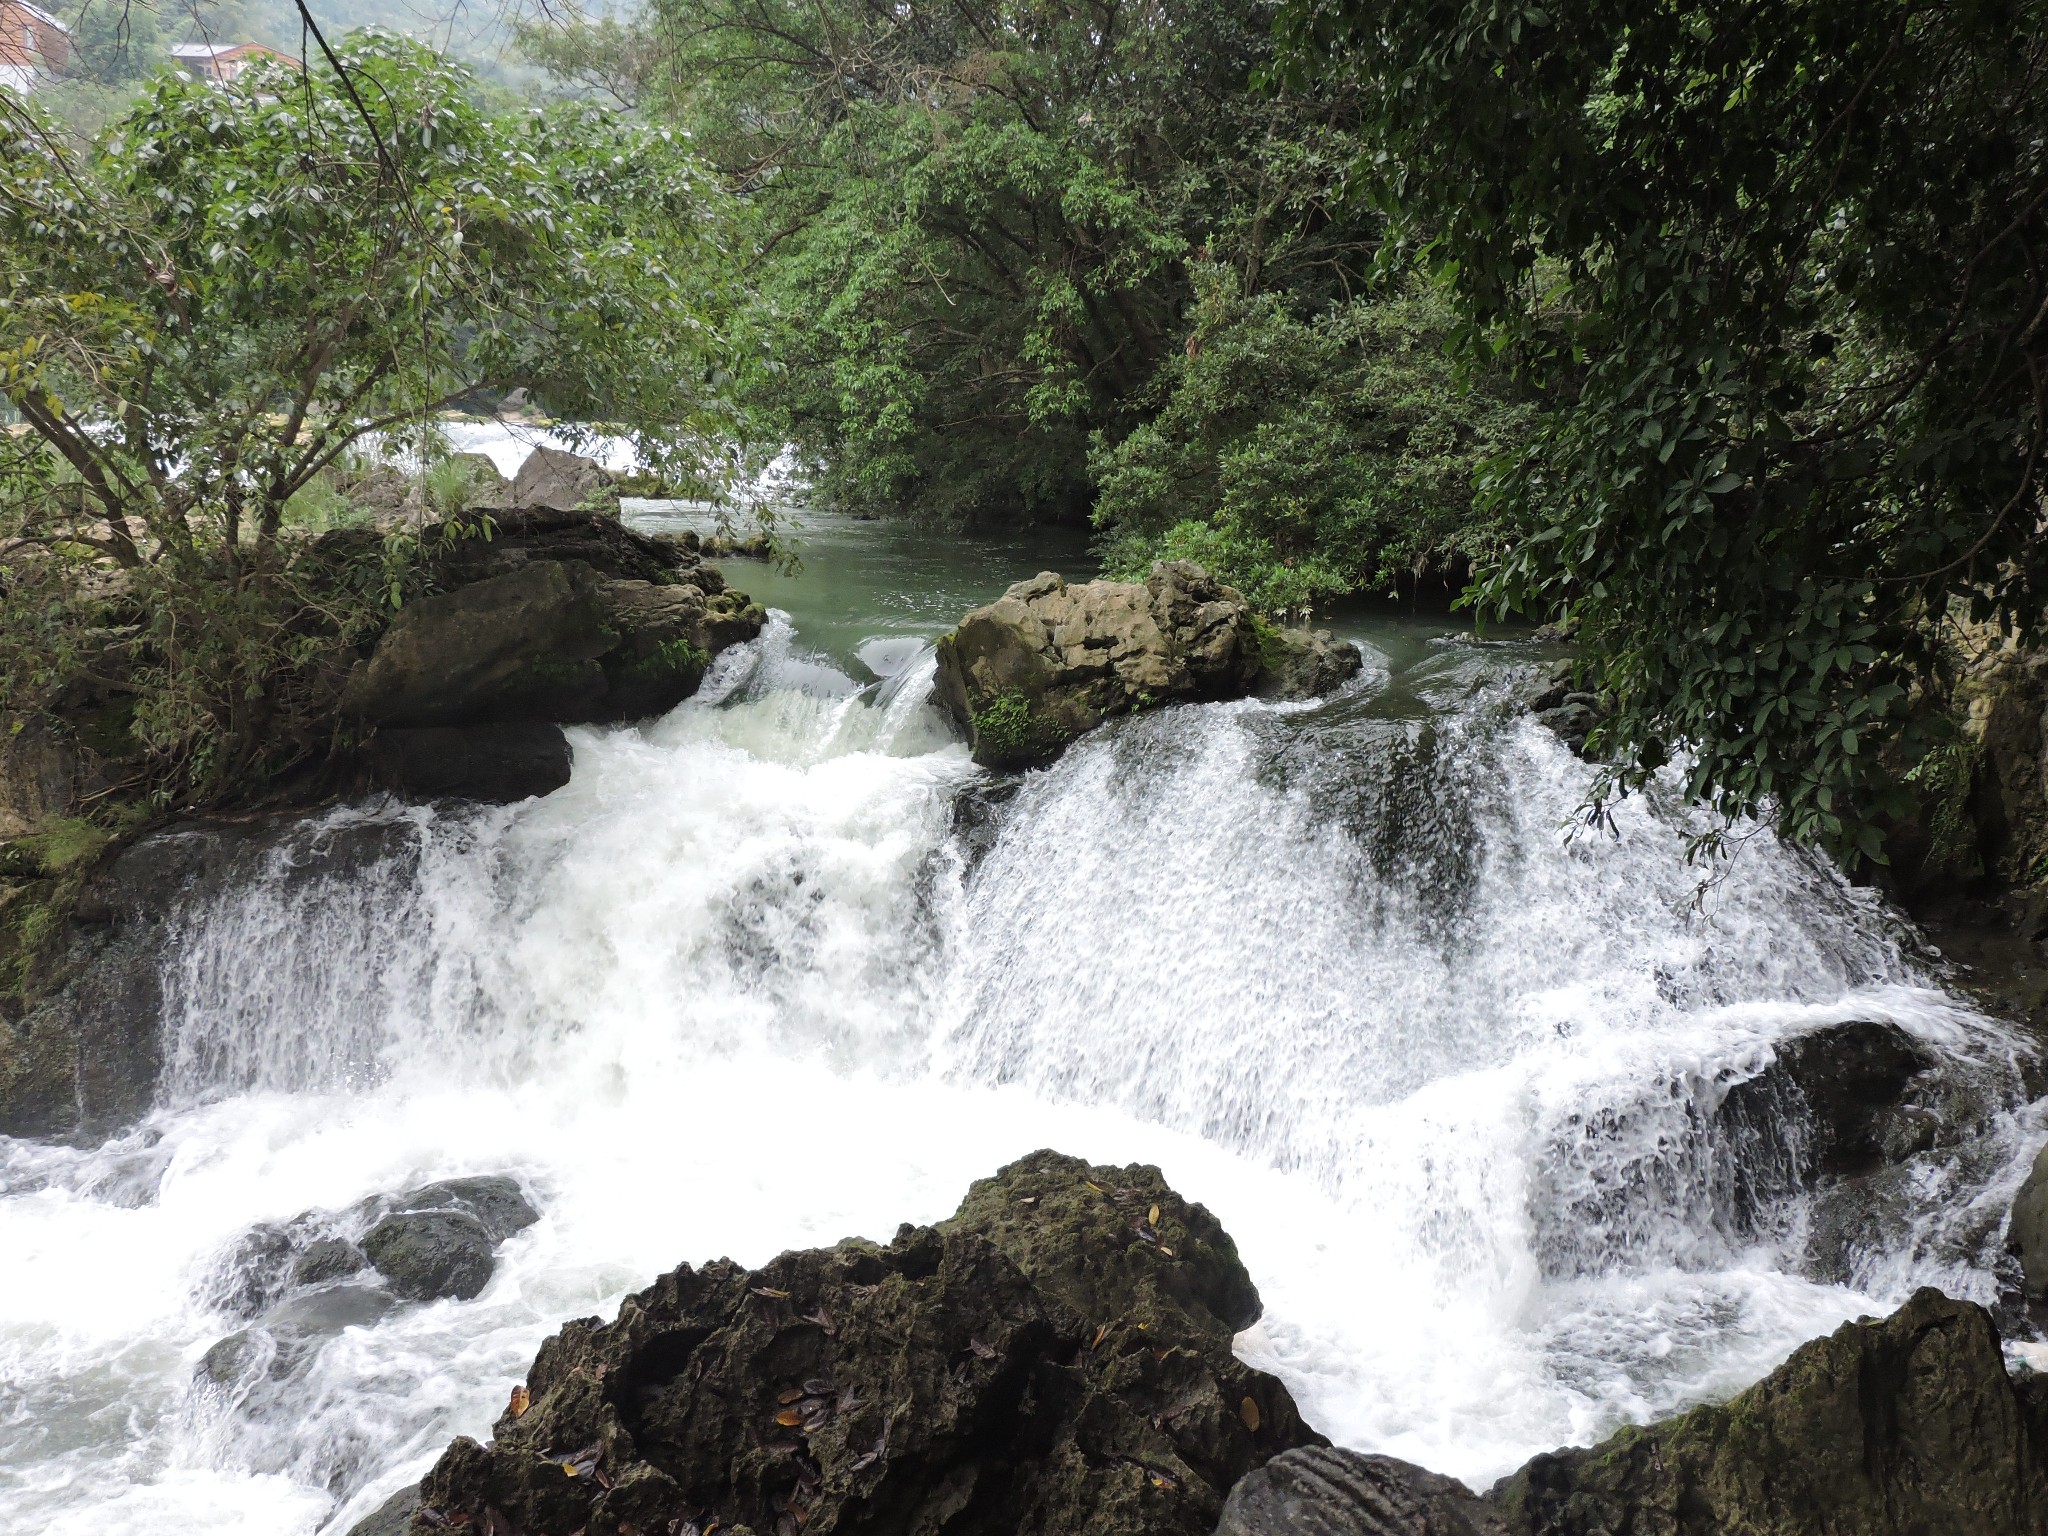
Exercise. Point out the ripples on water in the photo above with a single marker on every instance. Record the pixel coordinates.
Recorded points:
(784, 966)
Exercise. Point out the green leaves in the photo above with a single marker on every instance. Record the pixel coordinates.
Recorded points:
(1793, 368)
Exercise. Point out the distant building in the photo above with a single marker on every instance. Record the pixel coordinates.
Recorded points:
(33, 45)
(220, 63)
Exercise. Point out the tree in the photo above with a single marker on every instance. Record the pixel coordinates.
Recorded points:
(974, 218)
(236, 287)
(1305, 457)
(1788, 267)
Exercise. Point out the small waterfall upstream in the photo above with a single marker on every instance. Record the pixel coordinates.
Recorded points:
(1477, 1099)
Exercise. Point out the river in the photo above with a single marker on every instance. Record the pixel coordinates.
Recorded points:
(784, 966)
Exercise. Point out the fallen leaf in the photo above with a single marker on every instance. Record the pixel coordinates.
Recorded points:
(864, 1461)
(1100, 1334)
(1095, 1186)
(789, 1394)
(771, 1293)
(1027, 1199)
(1161, 1480)
(1249, 1412)
(1166, 1250)
(1152, 1216)
(521, 1401)
(818, 1386)
(981, 1350)
(789, 1418)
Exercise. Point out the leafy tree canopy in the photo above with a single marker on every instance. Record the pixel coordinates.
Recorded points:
(974, 218)
(237, 285)
(1786, 267)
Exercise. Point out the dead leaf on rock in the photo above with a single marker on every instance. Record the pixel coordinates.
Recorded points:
(1152, 1216)
(1248, 1410)
(771, 1293)
(521, 1401)
(1100, 1334)
(789, 1394)
(789, 1418)
(981, 1350)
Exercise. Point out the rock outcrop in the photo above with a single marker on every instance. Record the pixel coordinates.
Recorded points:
(1904, 1427)
(554, 480)
(559, 617)
(1324, 1491)
(1047, 662)
(81, 1059)
(298, 1283)
(1054, 1359)
(2026, 1233)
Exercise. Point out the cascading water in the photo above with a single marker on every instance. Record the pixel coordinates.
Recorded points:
(785, 966)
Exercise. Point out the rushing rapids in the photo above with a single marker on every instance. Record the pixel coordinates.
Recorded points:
(784, 966)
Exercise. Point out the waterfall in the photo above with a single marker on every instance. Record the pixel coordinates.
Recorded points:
(1468, 1089)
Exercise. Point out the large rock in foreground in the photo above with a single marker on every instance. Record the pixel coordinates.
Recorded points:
(1046, 661)
(1905, 1427)
(1054, 1359)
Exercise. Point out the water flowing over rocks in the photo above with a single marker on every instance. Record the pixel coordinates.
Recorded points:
(1054, 1358)
(1047, 662)
(84, 1058)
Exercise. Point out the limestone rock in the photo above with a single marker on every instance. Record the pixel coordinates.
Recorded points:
(564, 482)
(1299, 664)
(1321, 1491)
(523, 646)
(1054, 1359)
(486, 486)
(1903, 1427)
(1047, 662)
(391, 1518)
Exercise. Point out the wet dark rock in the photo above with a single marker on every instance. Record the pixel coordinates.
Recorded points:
(391, 1518)
(1905, 1427)
(329, 1258)
(1323, 1491)
(237, 1358)
(1047, 662)
(2027, 1232)
(497, 764)
(547, 641)
(252, 1272)
(493, 1199)
(1297, 664)
(1852, 1084)
(431, 1255)
(522, 646)
(328, 1310)
(1055, 1358)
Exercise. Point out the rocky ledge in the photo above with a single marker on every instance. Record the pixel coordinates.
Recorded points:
(562, 615)
(1046, 662)
(1055, 1359)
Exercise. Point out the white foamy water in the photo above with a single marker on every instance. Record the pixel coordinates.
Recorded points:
(784, 967)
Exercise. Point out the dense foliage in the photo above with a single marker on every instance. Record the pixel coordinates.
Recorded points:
(1788, 269)
(1301, 458)
(235, 288)
(975, 219)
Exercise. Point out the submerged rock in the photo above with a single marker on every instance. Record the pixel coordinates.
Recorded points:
(1055, 1358)
(1047, 662)
(1322, 1491)
(1854, 1083)
(1905, 1427)
(430, 1255)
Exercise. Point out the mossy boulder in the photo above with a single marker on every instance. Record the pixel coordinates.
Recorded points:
(1053, 1359)
(1905, 1427)
(1047, 662)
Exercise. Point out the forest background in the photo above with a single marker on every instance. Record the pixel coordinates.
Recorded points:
(1713, 336)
